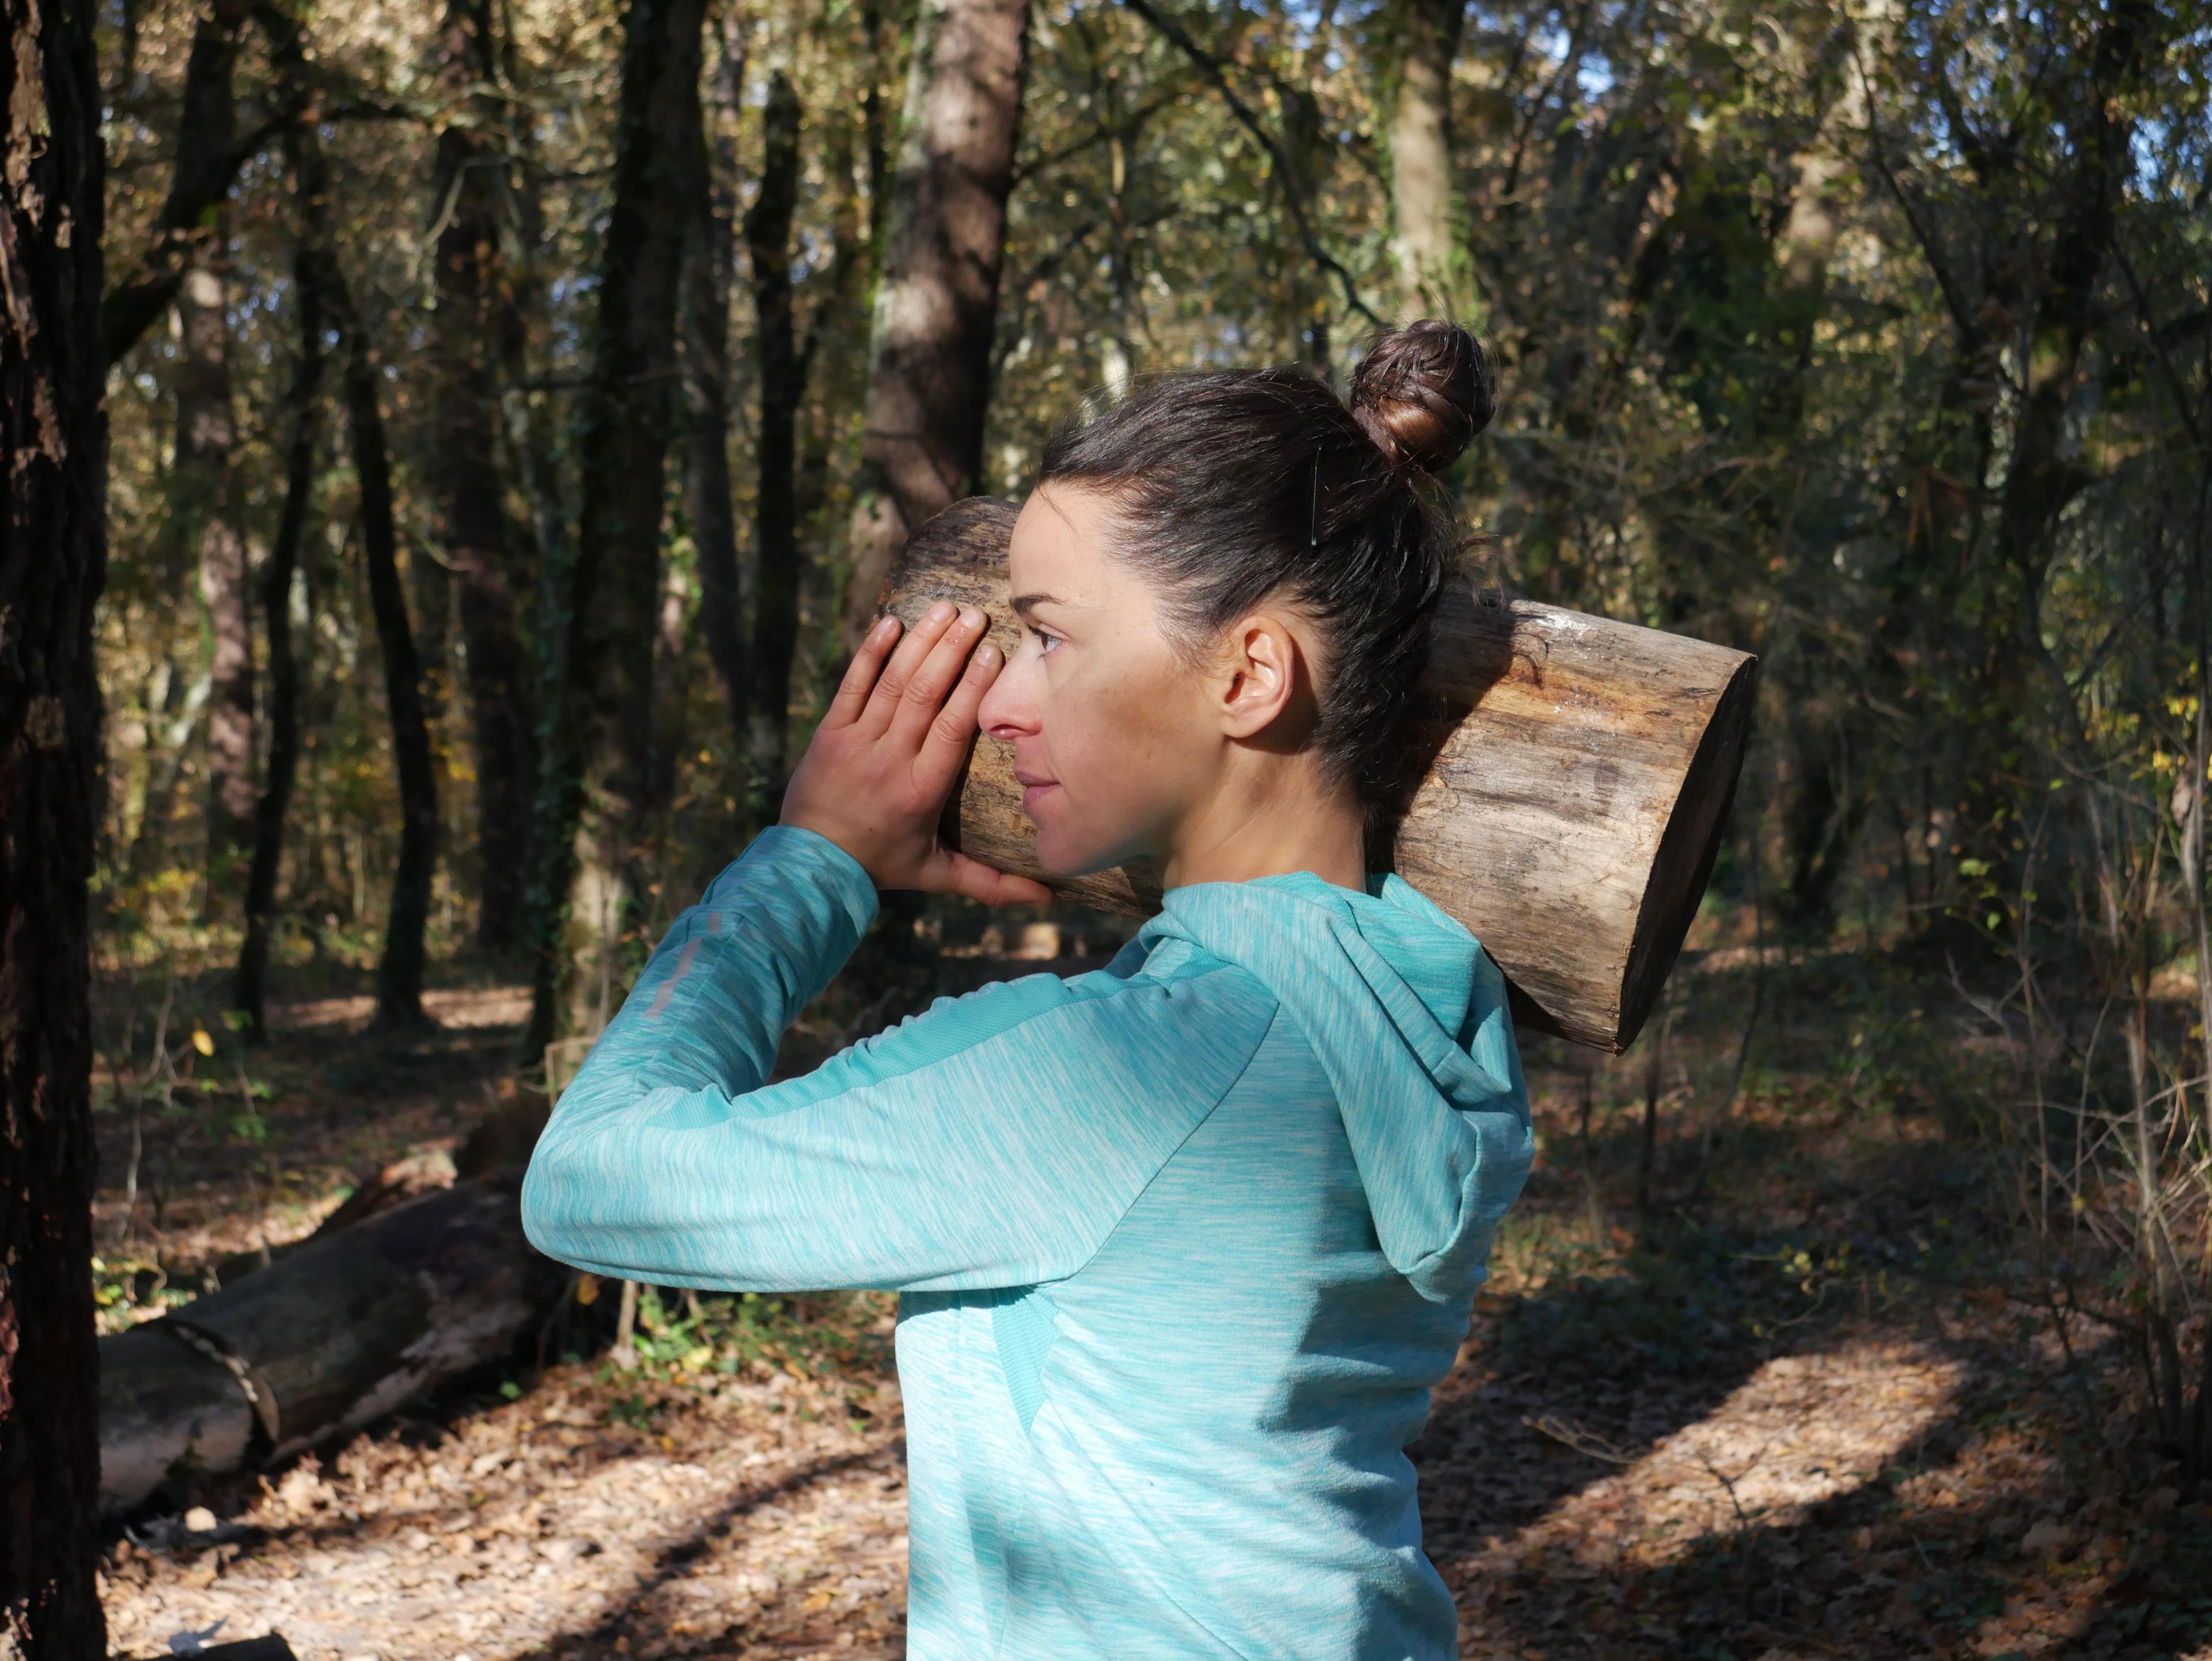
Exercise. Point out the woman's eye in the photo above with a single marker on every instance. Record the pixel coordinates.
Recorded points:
(1046, 643)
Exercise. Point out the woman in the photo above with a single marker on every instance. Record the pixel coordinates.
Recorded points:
(1182, 1244)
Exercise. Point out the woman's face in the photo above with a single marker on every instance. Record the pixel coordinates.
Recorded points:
(1115, 738)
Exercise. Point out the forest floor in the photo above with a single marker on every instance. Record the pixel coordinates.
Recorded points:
(1780, 1381)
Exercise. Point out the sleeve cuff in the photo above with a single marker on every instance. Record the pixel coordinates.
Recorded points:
(807, 856)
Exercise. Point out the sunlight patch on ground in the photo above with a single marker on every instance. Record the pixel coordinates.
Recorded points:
(1802, 1429)
(455, 1006)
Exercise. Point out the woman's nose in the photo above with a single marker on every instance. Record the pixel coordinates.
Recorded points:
(1008, 711)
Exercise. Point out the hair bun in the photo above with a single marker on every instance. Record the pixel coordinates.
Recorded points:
(1423, 392)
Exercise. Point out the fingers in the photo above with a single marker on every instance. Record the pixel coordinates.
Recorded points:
(891, 688)
(938, 676)
(959, 874)
(944, 746)
(860, 674)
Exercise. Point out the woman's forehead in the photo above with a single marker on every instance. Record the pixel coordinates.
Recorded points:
(1059, 552)
(1058, 529)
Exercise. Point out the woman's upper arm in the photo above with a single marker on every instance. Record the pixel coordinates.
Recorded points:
(993, 1140)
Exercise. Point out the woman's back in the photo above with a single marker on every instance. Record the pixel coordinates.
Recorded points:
(1184, 1242)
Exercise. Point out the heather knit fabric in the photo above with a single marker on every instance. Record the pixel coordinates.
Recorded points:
(1182, 1244)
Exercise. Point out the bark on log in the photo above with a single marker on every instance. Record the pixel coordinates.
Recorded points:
(1577, 775)
(344, 1328)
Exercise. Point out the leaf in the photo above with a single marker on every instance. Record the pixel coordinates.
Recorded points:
(201, 1042)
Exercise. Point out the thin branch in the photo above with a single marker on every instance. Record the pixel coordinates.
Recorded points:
(1293, 192)
(1125, 128)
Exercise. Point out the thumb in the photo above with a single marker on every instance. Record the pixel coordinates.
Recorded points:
(962, 875)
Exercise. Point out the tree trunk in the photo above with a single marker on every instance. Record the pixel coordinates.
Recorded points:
(782, 376)
(204, 513)
(470, 271)
(207, 161)
(53, 553)
(171, 730)
(1420, 161)
(599, 753)
(833, 351)
(1570, 784)
(250, 992)
(921, 446)
(399, 970)
(708, 259)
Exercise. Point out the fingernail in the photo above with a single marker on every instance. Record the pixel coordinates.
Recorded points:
(971, 617)
(941, 611)
(886, 626)
(987, 657)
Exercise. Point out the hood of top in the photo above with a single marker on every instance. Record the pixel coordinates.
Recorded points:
(1407, 1016)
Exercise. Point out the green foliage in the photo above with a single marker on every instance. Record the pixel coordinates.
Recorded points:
(754, 1335)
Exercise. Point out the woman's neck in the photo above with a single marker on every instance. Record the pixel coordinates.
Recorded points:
(1268, 821)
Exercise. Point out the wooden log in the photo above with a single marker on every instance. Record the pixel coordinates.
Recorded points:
(325, 1339)
(1576, 779)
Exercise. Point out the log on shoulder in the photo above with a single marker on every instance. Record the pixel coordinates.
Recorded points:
(1574, 787)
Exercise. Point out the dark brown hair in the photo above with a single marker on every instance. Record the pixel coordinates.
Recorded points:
(1234, 485)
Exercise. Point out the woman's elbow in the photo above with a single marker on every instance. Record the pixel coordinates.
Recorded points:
(547, 1219)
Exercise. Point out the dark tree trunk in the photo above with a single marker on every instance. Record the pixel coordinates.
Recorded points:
(399, 971)
(708, 259)
(207, 158)
(782, 376)
(202, 509)
(2040, 480)
(930, 360)
(470, 273)
(250, 993)
(602, 730)
(53, 552)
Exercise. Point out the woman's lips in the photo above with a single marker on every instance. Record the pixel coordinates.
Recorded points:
(1034, 790)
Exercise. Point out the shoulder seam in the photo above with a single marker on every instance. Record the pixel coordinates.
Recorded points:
(1274, 1014)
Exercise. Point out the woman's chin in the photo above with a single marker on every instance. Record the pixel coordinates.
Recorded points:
(1064, 855)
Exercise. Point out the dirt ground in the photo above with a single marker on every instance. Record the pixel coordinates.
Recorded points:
(1799, 1402)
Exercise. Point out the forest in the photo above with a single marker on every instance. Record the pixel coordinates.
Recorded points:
(455, 446)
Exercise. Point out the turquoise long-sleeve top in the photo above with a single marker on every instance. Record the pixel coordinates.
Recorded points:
(1182, 1244)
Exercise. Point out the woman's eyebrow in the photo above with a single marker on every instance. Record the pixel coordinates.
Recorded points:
(1024, 604)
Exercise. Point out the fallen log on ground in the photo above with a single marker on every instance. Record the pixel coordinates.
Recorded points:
(328, 1337)
(1575, 782)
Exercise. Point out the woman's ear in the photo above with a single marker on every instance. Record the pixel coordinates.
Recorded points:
(1265, 684)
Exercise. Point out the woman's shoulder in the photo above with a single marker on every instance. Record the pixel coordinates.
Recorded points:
(1172, 1011)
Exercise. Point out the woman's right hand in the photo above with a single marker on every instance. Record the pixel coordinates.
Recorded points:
(883, 763)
